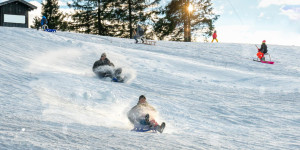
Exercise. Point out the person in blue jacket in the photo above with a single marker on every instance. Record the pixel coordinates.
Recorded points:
(44, 23)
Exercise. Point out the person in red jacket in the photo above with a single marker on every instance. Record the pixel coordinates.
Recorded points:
(215, 37)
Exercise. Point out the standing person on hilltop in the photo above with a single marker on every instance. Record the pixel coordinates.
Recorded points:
(214, 37)
(143, 114)
(138, 34)
(44, 23)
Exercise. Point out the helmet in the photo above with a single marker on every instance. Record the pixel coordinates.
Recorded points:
(44, 17)
(264, 41)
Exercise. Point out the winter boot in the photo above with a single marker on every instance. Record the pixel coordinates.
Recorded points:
(142, 39)
(118, 72)
(161, 128)
(147, 119)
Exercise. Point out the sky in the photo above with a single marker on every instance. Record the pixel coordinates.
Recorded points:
(251, 21)
(244, 21)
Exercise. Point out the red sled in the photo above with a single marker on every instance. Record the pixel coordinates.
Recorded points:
(268, 62)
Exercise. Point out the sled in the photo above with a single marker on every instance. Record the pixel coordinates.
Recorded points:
(119, 79)
(149, 42)
(144, 128)
(266, 62)
(50, 30)
(148, 128)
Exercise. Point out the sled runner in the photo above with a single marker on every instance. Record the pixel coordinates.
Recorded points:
(148, 128)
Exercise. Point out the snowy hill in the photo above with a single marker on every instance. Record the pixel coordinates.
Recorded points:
(211, 95)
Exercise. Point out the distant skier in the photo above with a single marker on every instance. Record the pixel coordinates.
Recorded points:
(104, 68)
(139, 33)
(214, 37)
(143, 114)
(262, 51)
(44, 23)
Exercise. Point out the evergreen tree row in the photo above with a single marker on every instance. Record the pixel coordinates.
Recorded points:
(120, 17)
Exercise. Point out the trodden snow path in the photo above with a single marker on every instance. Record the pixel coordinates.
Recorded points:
(211, 95)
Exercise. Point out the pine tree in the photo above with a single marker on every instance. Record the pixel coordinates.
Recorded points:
(139, 12)
(88, 16)
(50, 9)
(172, 25)
(109, 17)
(36, 22)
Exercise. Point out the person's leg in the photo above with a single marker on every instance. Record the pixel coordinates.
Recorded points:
(161, 127)
(157, 127)
(217, 40)
(135, 37)
(118, 71)
(142, 39)
(212, 40)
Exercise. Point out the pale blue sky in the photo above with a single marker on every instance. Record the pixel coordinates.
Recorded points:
(251, 21)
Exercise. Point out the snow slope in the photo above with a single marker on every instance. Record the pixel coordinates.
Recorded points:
(211, 95)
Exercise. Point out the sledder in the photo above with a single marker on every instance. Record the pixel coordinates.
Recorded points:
(104, 68)
(142, 117)
(139, 34)
(262, 52)
(44, 25)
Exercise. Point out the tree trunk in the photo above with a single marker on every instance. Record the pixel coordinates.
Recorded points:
(99, 18)
(130, 21)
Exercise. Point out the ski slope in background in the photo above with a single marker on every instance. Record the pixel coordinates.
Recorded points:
(211, 95)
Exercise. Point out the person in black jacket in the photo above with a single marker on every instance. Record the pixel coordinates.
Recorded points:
(101, 67)
(263, 49)
(139, 33)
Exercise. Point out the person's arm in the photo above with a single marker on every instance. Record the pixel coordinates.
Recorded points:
(109, 63)
(95, 66)
(261, 48)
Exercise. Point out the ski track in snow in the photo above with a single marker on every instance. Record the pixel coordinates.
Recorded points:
(211, 95)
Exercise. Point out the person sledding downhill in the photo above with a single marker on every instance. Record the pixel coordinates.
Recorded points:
(142, 117)
(104, 68)
(262, 51)
(44, 23)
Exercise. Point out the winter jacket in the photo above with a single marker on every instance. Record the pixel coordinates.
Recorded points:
(98, 63)
(139, 31)
(215, 35)
(139, 111)
(263, 48)
(44, 21)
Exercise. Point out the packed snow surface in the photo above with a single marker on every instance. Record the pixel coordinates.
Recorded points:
(211, 95)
